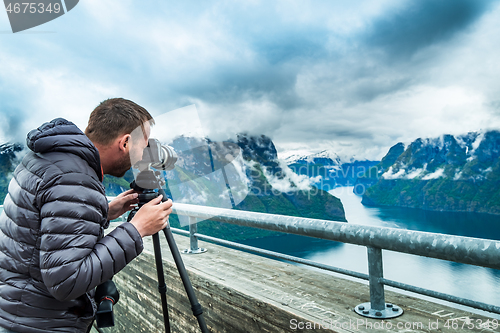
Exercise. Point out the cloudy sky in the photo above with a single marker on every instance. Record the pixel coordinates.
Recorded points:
(353, 77)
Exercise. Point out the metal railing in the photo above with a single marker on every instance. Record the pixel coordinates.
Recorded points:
(465, 250)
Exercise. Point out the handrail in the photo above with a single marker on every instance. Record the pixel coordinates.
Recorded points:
(395, 284)
(466, 250)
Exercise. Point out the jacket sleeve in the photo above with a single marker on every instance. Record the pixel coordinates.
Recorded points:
(73, 258)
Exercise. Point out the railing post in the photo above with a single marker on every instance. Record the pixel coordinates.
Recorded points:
(377, 307)
(376, 271)
(193, 240)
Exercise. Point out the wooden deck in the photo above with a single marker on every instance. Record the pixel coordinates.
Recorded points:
(242, 292)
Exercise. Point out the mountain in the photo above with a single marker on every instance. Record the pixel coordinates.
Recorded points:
(299, 199)
(10, 154)
(204, 172)
(324, 157)
(350, 173)
(372, 174)
(327, 170)
(449, 173)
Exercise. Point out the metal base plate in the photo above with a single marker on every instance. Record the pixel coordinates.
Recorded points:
(390, 311)
(197, 251)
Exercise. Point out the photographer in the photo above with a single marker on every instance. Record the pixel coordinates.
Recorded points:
(53, 252)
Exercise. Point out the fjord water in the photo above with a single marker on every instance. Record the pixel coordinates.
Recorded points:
(472, 282)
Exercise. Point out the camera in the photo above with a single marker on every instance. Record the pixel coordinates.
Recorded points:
(106, 296)
(157, 156)
(153, 156)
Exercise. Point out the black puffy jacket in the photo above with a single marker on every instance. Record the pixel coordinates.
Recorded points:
(52, 250)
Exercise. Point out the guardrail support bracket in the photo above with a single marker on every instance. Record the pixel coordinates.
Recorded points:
(193, 240)
(377, 307)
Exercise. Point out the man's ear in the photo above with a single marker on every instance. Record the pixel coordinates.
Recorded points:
(124, 142)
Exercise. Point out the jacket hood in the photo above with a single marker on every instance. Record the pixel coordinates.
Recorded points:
(61, 135)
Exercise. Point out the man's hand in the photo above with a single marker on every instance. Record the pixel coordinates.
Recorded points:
(122, 203)
(152, 217)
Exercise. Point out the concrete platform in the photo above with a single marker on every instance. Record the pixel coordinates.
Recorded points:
(242, 292)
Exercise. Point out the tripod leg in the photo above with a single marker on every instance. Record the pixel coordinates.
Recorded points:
(162, 287)
(195, 305)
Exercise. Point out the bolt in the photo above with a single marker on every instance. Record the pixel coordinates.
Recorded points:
(389, 305)
(366, 312)
(395, 309)
(378, 314)
(361, 307)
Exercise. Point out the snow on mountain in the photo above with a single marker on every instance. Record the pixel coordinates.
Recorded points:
(307, 157)
(458, 157)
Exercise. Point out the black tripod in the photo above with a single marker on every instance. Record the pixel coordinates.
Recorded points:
(148, 181)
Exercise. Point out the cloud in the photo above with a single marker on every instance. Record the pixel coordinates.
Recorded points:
(352, 77)
(419, 24)
(32, 95)
(289, 181)
(12, 120)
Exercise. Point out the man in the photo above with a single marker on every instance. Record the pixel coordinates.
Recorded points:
(53, 251)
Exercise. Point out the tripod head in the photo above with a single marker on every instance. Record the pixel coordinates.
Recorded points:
(149, 180)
